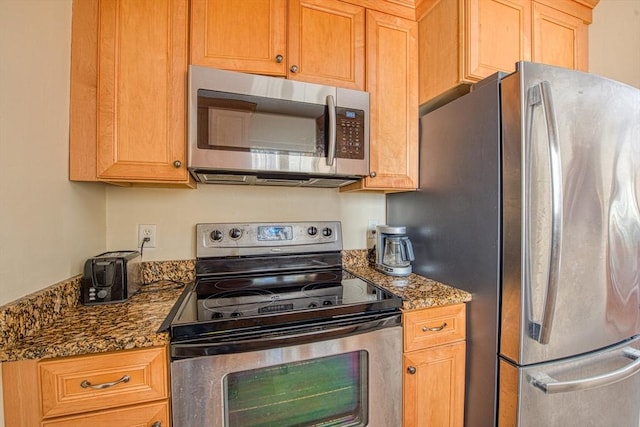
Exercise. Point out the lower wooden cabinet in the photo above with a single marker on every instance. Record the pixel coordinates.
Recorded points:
(434, 367)
(122, 389)
(152, 415)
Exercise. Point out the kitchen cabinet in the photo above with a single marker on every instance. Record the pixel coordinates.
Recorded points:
(122, 389)
(318, 41)
(128, 92)
(464, 41)
(434, 366)
(559, 38)
(392, 83)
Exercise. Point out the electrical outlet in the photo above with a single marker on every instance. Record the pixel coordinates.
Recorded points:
(371, 229)
(147, 230)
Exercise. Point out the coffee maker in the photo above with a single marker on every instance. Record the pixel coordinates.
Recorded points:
(394, 251)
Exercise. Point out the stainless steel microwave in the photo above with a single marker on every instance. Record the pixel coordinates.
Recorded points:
(254, 129)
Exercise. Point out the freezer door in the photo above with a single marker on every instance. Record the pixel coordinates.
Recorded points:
(600, 389)
(571, 218)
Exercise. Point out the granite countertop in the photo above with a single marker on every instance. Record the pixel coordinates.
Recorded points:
(94, 329)
(416, 291)
(51, 322)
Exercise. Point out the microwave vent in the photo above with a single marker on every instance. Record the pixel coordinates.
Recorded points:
(282, 180)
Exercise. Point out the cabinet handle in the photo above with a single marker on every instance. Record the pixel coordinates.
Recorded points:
(436, 329)
(279, 58)
(373, 174)
(294, 68)
(156, 424)
(87, 384)
(411, 370)
(177, 164)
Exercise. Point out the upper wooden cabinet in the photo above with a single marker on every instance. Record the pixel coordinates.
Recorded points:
(392, 83)
(248, 35)
(559, 38)
(128, 89)
(464, 41)
(318, 41)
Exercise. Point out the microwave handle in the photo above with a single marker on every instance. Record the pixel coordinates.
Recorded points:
(331, 149)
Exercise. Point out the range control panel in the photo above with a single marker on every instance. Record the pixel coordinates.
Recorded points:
(239, 239)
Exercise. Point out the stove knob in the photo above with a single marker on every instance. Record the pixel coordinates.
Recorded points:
(217, 315)
(327, 232)
(216, 235)
(313, 305)
(312, 231)
(236, 314)
(327, 302)
(235, 233)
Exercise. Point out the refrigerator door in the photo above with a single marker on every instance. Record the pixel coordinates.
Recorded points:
(571, 218)
(599, 389)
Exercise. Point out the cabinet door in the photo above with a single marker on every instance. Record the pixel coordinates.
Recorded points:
(81, 384)
(326, 43)
(247, 35)
(142, 63)
(498, 36)
(392, 83)
(559, 38)
(154, 414)
(464, 41)
(434, 386)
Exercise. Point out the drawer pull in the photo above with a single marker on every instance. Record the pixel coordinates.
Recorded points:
(87, 384)
(436, 329)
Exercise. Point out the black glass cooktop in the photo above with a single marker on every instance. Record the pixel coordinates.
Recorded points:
(233, 305)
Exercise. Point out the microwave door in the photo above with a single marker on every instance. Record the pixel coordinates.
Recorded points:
(247, 125)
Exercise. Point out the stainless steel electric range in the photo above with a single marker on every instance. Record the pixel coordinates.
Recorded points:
(274, 332)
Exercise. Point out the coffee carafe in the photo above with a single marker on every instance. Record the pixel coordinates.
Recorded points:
(394, 251)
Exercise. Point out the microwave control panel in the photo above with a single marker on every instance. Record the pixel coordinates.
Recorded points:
(349, 133)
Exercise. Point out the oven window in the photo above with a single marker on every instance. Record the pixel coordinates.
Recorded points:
(328, 391)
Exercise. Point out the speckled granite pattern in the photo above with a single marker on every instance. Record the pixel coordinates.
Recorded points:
(183, 271)
(52, 322)
(416, 291)
(93, 329)
(37, 311)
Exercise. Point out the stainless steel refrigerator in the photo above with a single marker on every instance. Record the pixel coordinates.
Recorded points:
(529, 199)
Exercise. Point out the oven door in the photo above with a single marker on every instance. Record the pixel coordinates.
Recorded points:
(353, 380)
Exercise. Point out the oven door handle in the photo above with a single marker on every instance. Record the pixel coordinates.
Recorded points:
(264, 340)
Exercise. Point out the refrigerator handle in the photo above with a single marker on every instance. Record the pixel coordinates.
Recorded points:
(550, 385)
(331, 150)
(541, 95)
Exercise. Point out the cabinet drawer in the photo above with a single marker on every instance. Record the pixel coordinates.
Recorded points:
(150, 414)
(433, 326)
(88, 383)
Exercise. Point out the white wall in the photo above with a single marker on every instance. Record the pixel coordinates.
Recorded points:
(614, 41)
(175, 213)
(48, 225)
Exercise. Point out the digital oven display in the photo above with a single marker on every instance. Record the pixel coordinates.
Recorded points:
(272, 233)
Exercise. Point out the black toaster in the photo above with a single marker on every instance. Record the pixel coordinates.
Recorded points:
(111, 277)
